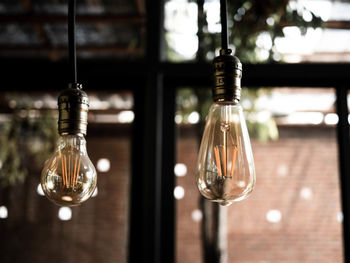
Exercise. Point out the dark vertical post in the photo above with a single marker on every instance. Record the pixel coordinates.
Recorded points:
(168, 179)
(201, 23)
(344, 164)
(152, 205)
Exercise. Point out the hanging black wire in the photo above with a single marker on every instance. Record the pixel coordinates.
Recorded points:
(223, 18)
(71, 41)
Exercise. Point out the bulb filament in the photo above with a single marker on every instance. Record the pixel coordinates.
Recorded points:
(220, 153)
(70, 170)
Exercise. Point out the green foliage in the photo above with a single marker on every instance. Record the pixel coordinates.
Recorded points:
(26, 141)
(247, 19)
(11, 172)
(262, 129)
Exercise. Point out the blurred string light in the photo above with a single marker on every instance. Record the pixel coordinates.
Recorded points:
(65, 213)
(270, 21)
(39, 190)
(103, 165)
(282, 170)
(306, 193)
(197, 215)
(274, 216)
(126, 116)
(3, 212)
(331, 119)
(193, 117)
(178, 118)
(180, 169)
(179, 192)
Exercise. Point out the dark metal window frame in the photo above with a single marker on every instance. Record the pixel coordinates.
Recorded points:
(154, 84)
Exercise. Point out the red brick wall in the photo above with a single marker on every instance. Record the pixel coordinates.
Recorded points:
(98, 230)
(309, 232)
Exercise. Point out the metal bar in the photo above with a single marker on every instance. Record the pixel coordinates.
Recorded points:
(114, 19)
(151, 235)
(168, 243)
(259, 75)
(139, 205)
(145, 231)
(344, 164)
(196, 74)
(332, 24)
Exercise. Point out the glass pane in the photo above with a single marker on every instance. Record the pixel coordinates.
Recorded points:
(32, 228)
(287, 31)
(294, 213)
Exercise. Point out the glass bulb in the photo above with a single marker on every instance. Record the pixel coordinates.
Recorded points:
(69, 177)
(225, 171)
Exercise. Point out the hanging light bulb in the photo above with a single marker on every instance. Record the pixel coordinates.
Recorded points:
(225, 171)
(69, 177)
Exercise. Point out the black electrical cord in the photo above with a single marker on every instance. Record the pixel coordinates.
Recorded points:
(71, 41)
(223, 18)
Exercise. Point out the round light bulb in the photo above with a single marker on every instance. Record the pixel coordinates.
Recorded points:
(225, 171)
(69, 177)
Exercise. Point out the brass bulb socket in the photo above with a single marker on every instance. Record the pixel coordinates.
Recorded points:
(227, 77)
(73, 107)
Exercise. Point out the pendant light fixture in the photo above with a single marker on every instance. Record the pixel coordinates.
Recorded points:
(225, 170)
(69, 177)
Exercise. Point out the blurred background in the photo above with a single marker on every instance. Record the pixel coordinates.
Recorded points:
(294, 214)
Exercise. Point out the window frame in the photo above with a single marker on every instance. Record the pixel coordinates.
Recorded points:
(154, 83)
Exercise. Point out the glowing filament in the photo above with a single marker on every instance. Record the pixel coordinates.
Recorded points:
(220, 153)
(70, 170)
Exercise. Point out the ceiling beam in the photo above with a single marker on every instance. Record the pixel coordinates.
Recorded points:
(99, 49)
(45, 19)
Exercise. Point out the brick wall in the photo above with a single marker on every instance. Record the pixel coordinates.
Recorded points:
(296, 175)
(309, 232)
(98, 229)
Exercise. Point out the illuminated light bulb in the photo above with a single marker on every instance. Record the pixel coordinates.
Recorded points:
(225, 164)
(225, 171)
(69, 177)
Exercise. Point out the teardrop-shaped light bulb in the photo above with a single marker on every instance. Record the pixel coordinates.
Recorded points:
(69, 177)
(225, 171)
